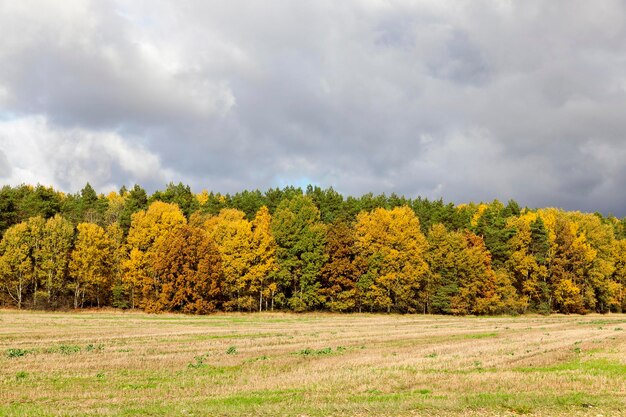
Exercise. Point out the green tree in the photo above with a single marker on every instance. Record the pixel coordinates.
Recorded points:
(328, 201)
(490, 223)
(250, 202)
(178, 194)
(91, 206)
(135, 200)
(8, 208)
(299, 235)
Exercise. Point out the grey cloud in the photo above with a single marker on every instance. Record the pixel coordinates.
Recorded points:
(485, 100)
(5, 166)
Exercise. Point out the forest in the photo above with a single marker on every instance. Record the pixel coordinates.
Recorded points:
(301, 250)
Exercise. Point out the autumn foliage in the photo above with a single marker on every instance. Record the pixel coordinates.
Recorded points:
(303, 250)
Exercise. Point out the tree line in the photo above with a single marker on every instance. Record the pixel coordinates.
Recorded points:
(303, 250)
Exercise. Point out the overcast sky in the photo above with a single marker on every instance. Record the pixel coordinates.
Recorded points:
(465, 100)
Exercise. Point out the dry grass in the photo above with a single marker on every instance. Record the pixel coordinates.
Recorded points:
(135, 364)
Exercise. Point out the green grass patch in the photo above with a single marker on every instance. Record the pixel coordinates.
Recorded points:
(320, 352)
(600, 322)
(378, 396)
(18, 353)
(526, 403)
(479, 335)
(255, 398)
(592, 367)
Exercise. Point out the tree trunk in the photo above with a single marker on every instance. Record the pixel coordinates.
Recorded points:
(76, 294)
(49, 288)
(35, 294)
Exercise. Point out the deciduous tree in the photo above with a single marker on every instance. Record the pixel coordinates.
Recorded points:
(147, 228)
(343, 268)
(16, 266)
(232, 234)
(187, 270)
(53, 257)
(90, 265)
(263, 266)
(394, 248)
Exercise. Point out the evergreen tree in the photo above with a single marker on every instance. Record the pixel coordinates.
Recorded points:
(135, 200)
(178, 194)
(299, 237)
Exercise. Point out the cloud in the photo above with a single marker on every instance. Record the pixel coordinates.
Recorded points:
(476, 101)
(36, 152)
(5, 167)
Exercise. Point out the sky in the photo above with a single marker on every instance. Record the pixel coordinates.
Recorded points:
(460, 100)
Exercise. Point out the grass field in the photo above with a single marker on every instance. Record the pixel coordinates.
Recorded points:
(133, 364)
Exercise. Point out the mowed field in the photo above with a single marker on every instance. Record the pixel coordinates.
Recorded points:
(135, 364)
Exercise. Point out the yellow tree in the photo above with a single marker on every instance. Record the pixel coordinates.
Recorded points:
(527, 263)
(444, 258)
(135, 270)
(463, 277)
(147, 228)
(394, 247)
(598, 246)
(16, 266)
(36, 226)
(115, 207)
(570, 257)
(90, 265)
(481, 289)
(37, 235)
(232, 234)
(619, 276)
(263, 263)
(149, 225)
(118, 256)
(54, 253)
(581, 263)
(187, 267)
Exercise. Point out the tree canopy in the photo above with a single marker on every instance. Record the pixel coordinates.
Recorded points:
(303, 249)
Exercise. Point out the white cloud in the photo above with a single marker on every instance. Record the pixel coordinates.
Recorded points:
(67, 158)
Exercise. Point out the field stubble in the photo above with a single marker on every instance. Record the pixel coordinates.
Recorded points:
(131, 364)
